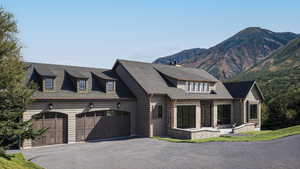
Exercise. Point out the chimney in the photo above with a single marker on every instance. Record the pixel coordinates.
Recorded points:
(173, 63)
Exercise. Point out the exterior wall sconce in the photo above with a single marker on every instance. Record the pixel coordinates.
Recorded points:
(50, 106)
(91, 105)
(118, 105)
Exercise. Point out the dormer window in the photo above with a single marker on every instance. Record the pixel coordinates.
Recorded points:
(197, 87)
(110, 86)
(82, 85)
(49, 83)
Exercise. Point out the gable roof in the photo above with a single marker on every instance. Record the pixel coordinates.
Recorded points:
(240, 90)
(64, 87)
(149, 78)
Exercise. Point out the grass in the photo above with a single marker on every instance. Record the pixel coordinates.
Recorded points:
(251, 136)
(17, 161)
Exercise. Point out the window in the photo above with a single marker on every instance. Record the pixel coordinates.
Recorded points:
(157, 112)
(82, 85)
(224, 114)
(188, 86)
(110, 86)
(205, 86)
(253, 111)
(49, 84)
(197, 87)
(193, 86)
(200, 87)
(186, 116)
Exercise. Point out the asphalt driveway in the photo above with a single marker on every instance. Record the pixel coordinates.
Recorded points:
(147, 153)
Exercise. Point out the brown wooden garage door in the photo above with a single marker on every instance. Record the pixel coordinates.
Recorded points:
(102, 124)
(56, 124)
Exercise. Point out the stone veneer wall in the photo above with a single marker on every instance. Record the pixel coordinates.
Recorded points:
(205, 134)
(179, 134)
(244, 128)
(190, 134)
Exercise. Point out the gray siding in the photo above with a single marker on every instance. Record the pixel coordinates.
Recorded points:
(143, 103)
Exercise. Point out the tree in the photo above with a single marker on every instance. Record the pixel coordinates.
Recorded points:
(14, 93)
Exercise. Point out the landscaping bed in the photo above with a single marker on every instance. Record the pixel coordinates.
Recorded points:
(17, 161)
(247, 137)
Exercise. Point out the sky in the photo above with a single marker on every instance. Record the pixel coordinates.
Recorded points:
(97, 32)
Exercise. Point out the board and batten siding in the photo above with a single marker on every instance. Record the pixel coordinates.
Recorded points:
(143, 102)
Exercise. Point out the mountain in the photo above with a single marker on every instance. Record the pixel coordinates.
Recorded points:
(279, 72)
(236, 54)
(181, 56)
(278, 76)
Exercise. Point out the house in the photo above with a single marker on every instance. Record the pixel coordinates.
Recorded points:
(136, 98)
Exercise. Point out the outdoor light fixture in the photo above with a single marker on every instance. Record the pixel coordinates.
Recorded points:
(50, 106)
(91, 105)
(118, 105)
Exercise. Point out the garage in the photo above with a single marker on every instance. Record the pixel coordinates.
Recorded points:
(57, 127)
(102, 124)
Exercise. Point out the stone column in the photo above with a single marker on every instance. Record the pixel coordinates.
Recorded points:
(198, 116)
(172, 111)
(71, 128)
(214, 115)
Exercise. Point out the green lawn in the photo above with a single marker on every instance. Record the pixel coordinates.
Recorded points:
(251, 136)
(17, 161)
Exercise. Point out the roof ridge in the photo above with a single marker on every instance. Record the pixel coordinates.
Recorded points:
(158, 64)
(241, 81)
(70, 66)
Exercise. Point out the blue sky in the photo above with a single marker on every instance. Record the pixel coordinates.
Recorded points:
(97, 32)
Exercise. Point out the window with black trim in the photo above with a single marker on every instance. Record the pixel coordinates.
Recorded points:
(224, 114)
(186, 116)
(253, 111)
(82, 85)
(159, 111)
(49, 84)
(110, 86)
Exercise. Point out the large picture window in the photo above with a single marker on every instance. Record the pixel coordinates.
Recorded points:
(253, 111)
(186, 116)
(224, 114)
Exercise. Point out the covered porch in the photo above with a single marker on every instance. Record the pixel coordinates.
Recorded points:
(197, 119)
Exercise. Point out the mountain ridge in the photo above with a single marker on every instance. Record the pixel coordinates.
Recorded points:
(235, 54)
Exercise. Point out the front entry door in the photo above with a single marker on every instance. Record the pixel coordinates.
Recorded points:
(206, 117)
(158, 120)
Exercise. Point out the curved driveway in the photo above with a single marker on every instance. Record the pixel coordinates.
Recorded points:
(147, 153)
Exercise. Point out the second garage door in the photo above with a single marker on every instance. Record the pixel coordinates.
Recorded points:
(102, 124)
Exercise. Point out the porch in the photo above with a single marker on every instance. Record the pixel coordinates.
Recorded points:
(200, 119)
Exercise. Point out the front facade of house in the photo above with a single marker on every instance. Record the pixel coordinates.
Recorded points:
(135, 98)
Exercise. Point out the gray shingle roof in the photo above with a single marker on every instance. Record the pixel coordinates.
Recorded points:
(44, 71)
(107, 75)
(65, 89)
(182, 73)
(74, 72)
(148, 77)
(240, 90)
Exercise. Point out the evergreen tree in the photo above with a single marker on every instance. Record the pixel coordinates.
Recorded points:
(14, 93)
